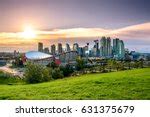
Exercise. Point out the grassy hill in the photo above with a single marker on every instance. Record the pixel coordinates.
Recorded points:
(133, 84)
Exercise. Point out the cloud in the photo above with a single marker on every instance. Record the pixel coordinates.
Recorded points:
(73, 33)
(134, 36)
(141, 31)
(135, 31)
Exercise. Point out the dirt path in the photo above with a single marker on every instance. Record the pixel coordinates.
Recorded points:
(13, 71)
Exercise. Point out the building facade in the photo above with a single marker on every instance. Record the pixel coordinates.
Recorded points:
(68, 57)
(75, 47)
(46, 50)
(53, 49)
(40, 47)
(118, 49)
(105, 49)
(60, 49)
(67, 47)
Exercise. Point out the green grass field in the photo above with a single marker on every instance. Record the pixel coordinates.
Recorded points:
(133, 84)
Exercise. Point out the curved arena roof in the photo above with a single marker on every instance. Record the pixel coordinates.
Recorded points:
(35, 55)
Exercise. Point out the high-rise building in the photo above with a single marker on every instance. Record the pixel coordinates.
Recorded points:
(53, 49)
(46, 50)
(84, 50)
(15, 53)
(94, 52)
(105, 49)
(96, 48)
(60, 49)
(118, 48)
(81, 51)
(109, 49)
(40, 47)
(67, 47)
(87, 44)
(121, 49)
(115, 46)
(75, 47)
(96, 44)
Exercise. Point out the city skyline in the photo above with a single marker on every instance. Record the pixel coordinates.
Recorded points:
(70, 21)
(105, 47)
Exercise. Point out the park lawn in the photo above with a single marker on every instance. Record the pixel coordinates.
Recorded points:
(129, 84)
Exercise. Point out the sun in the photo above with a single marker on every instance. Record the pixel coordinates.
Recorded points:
(28, 33)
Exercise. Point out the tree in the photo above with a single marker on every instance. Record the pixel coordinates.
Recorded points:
(18, 62)
(136, 64)
(128, 61)
(47, 74)
(141, 62)
(80, 63)
(121, 65)
(57, 73)
(36, 73)
(67, 70)
(104, 67)
(116, 65)
(110, 64)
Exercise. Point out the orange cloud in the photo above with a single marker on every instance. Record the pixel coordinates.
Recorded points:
(141, 31)
(135, 32)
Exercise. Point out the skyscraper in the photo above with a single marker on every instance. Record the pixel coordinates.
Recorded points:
(67, 47)
(118, 48)
(46, 50)
(40, 47)
(75, 46)
(96, 48)
(87, 44)
(115, 46)
(96, 44)
(60, 49)
(105, 49)
(80, 51)
(121, 49)
(84, 50)
(53, 49)
(109, 49)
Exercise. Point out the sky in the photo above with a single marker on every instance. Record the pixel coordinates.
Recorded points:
(74, 21)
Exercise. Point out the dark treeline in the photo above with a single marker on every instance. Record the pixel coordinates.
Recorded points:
(36, 73)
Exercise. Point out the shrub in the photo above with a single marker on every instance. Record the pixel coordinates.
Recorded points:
(80, 64)
(67, 70)
(57, 73)
(36, 73)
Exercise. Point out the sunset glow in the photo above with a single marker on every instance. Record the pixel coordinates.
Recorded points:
(24, 23)
(29, 33)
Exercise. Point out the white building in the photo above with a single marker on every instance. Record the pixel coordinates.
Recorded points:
(39, 57)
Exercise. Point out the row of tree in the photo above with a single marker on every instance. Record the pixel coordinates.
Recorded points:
(108, 65)
(36, 73)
